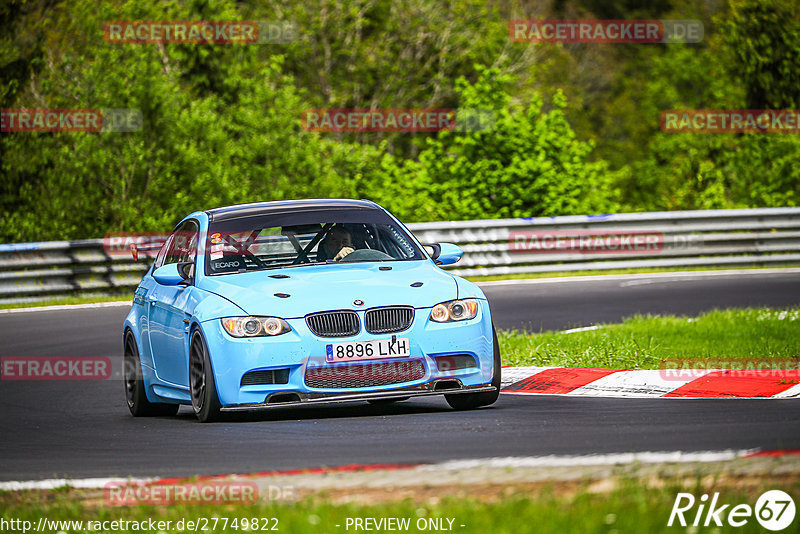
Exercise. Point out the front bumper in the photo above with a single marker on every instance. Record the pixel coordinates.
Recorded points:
(280, 400)
(300, 350)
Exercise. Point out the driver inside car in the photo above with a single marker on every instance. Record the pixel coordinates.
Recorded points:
(336, 245)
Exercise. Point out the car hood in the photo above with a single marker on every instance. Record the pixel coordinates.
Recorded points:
(334, 287)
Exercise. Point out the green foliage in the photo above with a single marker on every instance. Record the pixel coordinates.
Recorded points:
(239, 144)
(221, 123)
(708, 171)
(529, 163)
(391, 53)
(764, 36)
(701, 171)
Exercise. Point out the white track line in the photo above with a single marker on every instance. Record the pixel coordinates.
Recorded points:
(677, 275)
(593, 459)
(62, 307)
(81, 483)
(581, 329)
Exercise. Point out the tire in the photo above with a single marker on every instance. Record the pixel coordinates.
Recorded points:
(134, 384)
(202, 387)
(470, 401)
(384, 402)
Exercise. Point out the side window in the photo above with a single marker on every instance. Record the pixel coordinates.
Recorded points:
(182, 246)
(162, 253)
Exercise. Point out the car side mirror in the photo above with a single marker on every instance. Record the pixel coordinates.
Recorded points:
(444, 253)
(174, 274)
(433, 250)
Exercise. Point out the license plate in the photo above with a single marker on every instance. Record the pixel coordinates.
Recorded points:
(367, 350)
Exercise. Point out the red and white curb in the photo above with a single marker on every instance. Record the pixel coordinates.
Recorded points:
(686, 383)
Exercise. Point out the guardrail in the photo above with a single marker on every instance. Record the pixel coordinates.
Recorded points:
(769, 236)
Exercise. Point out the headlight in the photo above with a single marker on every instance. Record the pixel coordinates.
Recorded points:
(254, 326)
(455, 310)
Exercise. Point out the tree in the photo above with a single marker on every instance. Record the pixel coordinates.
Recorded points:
(764, 37)
(736, 70)
(529, 163)
(199, 146)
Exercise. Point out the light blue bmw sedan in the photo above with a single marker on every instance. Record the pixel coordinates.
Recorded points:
(304, 302)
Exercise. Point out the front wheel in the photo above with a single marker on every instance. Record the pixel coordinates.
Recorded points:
(470, 401)
(135, 394)
(201, 381)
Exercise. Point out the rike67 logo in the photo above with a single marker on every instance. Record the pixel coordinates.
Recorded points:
(774, 510)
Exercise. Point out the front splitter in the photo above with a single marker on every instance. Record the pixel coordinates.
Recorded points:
(321, 398)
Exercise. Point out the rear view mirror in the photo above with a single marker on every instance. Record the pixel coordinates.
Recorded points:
(449, 253)
(444, 253)
(173, 274)
(433, 250)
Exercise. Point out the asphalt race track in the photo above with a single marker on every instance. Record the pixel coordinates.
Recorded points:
(567, 302)
(83, 429)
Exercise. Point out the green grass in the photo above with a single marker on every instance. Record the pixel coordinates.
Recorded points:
(630, 508)
(642, 342)
(562, 274)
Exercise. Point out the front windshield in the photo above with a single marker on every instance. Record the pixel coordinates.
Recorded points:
(277, 241)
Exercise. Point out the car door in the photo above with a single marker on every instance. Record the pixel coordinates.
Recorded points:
(169, 311)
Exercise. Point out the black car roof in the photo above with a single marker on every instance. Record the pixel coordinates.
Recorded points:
(287, 206)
